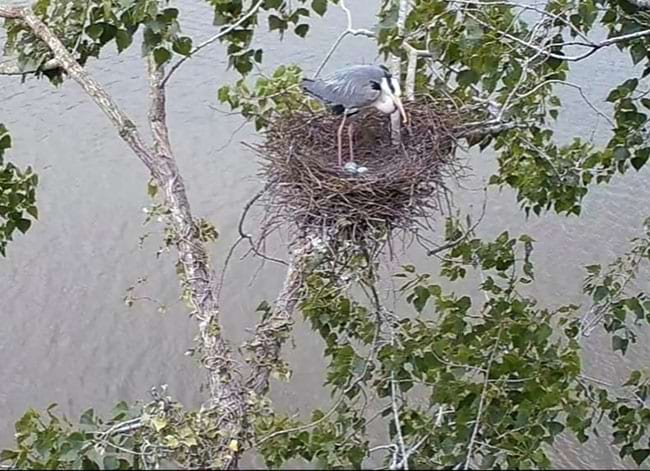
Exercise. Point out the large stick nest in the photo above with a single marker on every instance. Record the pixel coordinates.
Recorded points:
(401, 189)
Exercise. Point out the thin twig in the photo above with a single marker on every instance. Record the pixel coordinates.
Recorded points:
(212, 39)
(481, 404)
(349, 31)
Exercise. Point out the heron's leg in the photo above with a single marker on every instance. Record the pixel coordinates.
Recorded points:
(350, 137)
(340, 140)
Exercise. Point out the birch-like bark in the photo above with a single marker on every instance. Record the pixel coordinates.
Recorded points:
(272, 332)
(227, 401)
(396, 69)
(411, 68)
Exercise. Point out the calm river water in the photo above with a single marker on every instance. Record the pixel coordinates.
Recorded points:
(66, 335)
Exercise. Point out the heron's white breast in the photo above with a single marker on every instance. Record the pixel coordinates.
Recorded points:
(385, 104)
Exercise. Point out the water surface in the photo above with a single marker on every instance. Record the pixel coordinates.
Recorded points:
(66, 334)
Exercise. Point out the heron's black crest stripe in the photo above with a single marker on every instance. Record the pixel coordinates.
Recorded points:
(375, 85)
(386, 71)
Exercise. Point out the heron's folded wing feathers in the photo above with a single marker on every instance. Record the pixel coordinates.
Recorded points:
(352, 88)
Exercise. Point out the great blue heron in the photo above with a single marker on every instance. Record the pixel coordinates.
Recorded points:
(350, 89)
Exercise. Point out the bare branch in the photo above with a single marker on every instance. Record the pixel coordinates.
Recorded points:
(490, 128)
(524, 7)
(481, 403)
(468, 233)
(572, 85)
(546, 49)
(214, 38)
(271, 332)
(396, 68)
(11, 67)
(11, 13)
(404, 464)
(411, 68)
(227, 396)
(349, 31)
(125, 126)
(353, 384)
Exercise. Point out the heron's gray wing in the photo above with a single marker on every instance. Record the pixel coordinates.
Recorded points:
(352, 87)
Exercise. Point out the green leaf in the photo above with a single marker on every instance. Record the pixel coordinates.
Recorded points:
(555, 428)
(639, 456)
(23, 225)
(301, 30)
(224, 94)
(467, 77)
(111, 462)
(88, 417)
(152, 188)
(619, 343)
(5, 142)
(95, 31)
(629, 85)
(275, 22)
(638, 52)
(421, 297)
(161, 55)
(258, 56)
(640, 158)
(600, 293)
(159, 423)
(634, 378)
(319, 6)
(621, 153)
(182, 45)
(123, 39)
(264, 306)
(8, 455)
(33, 211)
(613, 95)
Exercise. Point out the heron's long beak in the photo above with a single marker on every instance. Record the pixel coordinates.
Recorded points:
(400, 106)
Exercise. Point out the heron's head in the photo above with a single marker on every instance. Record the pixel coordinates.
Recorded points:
(390, 87)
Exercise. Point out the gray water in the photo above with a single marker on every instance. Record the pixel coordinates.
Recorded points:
(67, 336)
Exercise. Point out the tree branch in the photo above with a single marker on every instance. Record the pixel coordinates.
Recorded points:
(271, 332)
(125, 127)
(349, 31)
(214, 38)
(11, 13)
(11, 67)
(546, 52)
(477, 423)
(396, 68)
(227, 401)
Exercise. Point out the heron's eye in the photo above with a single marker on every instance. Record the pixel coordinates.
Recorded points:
(375, 85)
